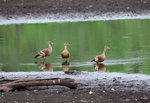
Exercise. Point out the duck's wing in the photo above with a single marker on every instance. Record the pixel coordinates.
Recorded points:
(42, 53)
(96, 58)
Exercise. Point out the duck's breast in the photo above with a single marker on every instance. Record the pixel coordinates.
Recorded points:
(101, 58)
(47, 53)
(65, 54)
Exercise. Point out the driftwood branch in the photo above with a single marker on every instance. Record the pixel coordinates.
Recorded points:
(23, 83)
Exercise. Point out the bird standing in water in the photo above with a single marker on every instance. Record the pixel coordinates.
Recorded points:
(65, 54)
(101, 58)
(45, 52)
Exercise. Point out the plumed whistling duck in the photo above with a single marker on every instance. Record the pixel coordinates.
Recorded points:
(45, 52)
(65, 54)
(101, 58)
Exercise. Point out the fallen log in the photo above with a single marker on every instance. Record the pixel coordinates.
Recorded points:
(23, 83)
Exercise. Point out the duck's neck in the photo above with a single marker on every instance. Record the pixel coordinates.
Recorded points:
(50, 48)
(103, 53)
(65, 48)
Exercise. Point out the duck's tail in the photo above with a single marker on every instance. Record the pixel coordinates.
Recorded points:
(37, 56)
(93, 60)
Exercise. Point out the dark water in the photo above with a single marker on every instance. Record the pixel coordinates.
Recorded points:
(129, 42)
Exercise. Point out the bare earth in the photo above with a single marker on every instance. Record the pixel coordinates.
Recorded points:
(105, 91)
(8, 8)
(97, 87)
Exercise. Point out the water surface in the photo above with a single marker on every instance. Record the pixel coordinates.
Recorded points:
(128, 41)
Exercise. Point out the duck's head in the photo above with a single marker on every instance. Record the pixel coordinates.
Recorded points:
(50, 43)
(106, 48)
(66, 44)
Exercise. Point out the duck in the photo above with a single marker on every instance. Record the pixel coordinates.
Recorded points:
(65, 53)
(102, 57)
(45, 52)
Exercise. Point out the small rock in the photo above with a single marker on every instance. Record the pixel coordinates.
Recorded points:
(83, 101)
(104, 92)
(128, 8)
(35, 90)
(90, 6)
(15, 102)
(126, 100)
(112, 89)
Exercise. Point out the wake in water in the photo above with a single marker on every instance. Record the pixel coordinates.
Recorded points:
(107, 62)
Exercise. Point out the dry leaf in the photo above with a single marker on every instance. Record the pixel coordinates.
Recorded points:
(90, 92)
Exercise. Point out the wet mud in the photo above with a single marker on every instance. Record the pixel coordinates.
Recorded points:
(97, 87)
(39, 11)
(40, 7)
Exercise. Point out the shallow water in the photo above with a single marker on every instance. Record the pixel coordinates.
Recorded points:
(128, 41)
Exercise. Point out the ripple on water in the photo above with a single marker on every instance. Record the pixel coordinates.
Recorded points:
(88, 64)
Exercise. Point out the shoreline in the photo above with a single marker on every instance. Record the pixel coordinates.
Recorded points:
(77, 17)
(105, 87)
(94, 78)
(10, 8)
(39, 11)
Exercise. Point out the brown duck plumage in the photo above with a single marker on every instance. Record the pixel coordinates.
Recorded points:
(101, 58)
(45, 52)
(65, 54)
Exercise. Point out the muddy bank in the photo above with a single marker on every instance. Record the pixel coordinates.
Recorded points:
(89, 79)
(105, 87)
(100, 95)
(40, 7)
(72, 17)
(39, 11)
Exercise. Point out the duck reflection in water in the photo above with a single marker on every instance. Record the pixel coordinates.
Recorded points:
(100, 67)
(65, 66)
(44, 66)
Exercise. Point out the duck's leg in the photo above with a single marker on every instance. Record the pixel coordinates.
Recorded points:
(44, 59)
